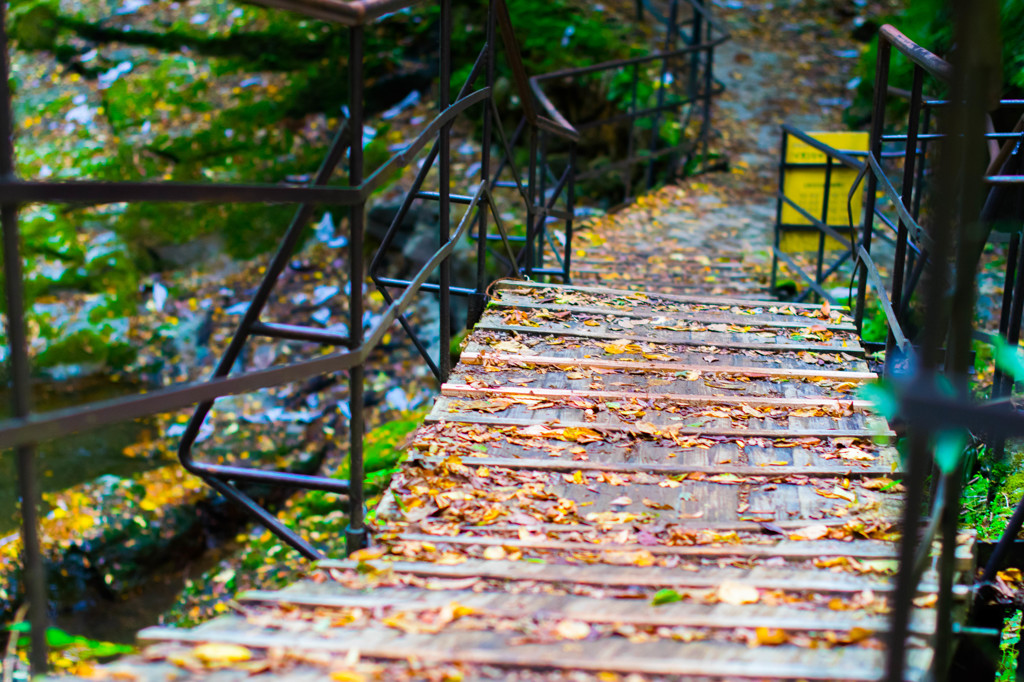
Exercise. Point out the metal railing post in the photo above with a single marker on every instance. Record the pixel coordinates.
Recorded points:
(478, 300)
(571, 208)
(877, 126)
(824, 220)
(909, 175)
(355, 533)
(531, 203)
(670, 39)
(444, 362)
(33, 568)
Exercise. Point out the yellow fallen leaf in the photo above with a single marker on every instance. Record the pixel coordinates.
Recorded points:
(368, 554)
(771, 636)
(347, 676)
(581, 434)
(218, 654)
(857, 635)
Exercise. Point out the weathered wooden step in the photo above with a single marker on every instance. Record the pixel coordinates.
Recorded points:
(573, 419)
(741, 317)
(612, 654)
(654, 416)
(647, 577)
(733, 341)
(609, 610)
(543, 462)
(554, 448)
(452, 389)
(482, 355)
(703, 299)
(784, 549)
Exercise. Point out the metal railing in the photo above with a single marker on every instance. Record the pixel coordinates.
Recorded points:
(927, 372)
(680, 78)
(351, 349)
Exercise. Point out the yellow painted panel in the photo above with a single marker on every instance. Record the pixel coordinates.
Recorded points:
(802, 241)
(806, 188)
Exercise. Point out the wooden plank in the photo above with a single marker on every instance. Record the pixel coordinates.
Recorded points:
(464, 418)
(656, 657)
(589, 609)
(455, 390)
(854, 349)
(709, 300)
(648, 577)
(786, 549)
(477, 358)
(701, 317)
(772, 472)
(483, 357)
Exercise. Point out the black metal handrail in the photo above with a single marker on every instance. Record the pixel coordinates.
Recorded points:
(931, 391)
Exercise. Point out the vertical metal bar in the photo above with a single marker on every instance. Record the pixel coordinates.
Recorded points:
(778, 210)
(571, 207)
(947, 569)
(627, 170)
(355, 534)
(531, 202)
(696, 38)
(542, 193)
(1016, 313)
(919, 182)
(1009, 283)
(709, 83)
(909, 161)
(916, 471)
(824, 218)
(877, 126)
(21, 393)
(672, 30)
(479, 298)
(444, 362)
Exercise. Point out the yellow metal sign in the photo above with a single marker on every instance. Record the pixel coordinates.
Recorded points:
(806, 188)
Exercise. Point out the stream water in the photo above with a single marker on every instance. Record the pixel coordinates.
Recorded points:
(71, 460)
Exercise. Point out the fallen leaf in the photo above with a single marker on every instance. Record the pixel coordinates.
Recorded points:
(217, 654)
(665, 596)
(572, 629)
(736, 593)
(495, 553)
(771, 636)
(815, 532)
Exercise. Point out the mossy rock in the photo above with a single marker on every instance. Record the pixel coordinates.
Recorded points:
(35, 25)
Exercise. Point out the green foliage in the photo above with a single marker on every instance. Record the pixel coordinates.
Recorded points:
(84, 647)
(213, 91)
(929, 24)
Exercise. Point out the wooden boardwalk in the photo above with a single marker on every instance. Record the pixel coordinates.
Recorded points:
(613, 483)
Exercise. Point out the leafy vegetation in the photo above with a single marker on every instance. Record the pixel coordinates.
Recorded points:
(207, 91)
(929, 23)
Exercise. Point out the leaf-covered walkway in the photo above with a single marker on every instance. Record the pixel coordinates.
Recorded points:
(614, 482)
